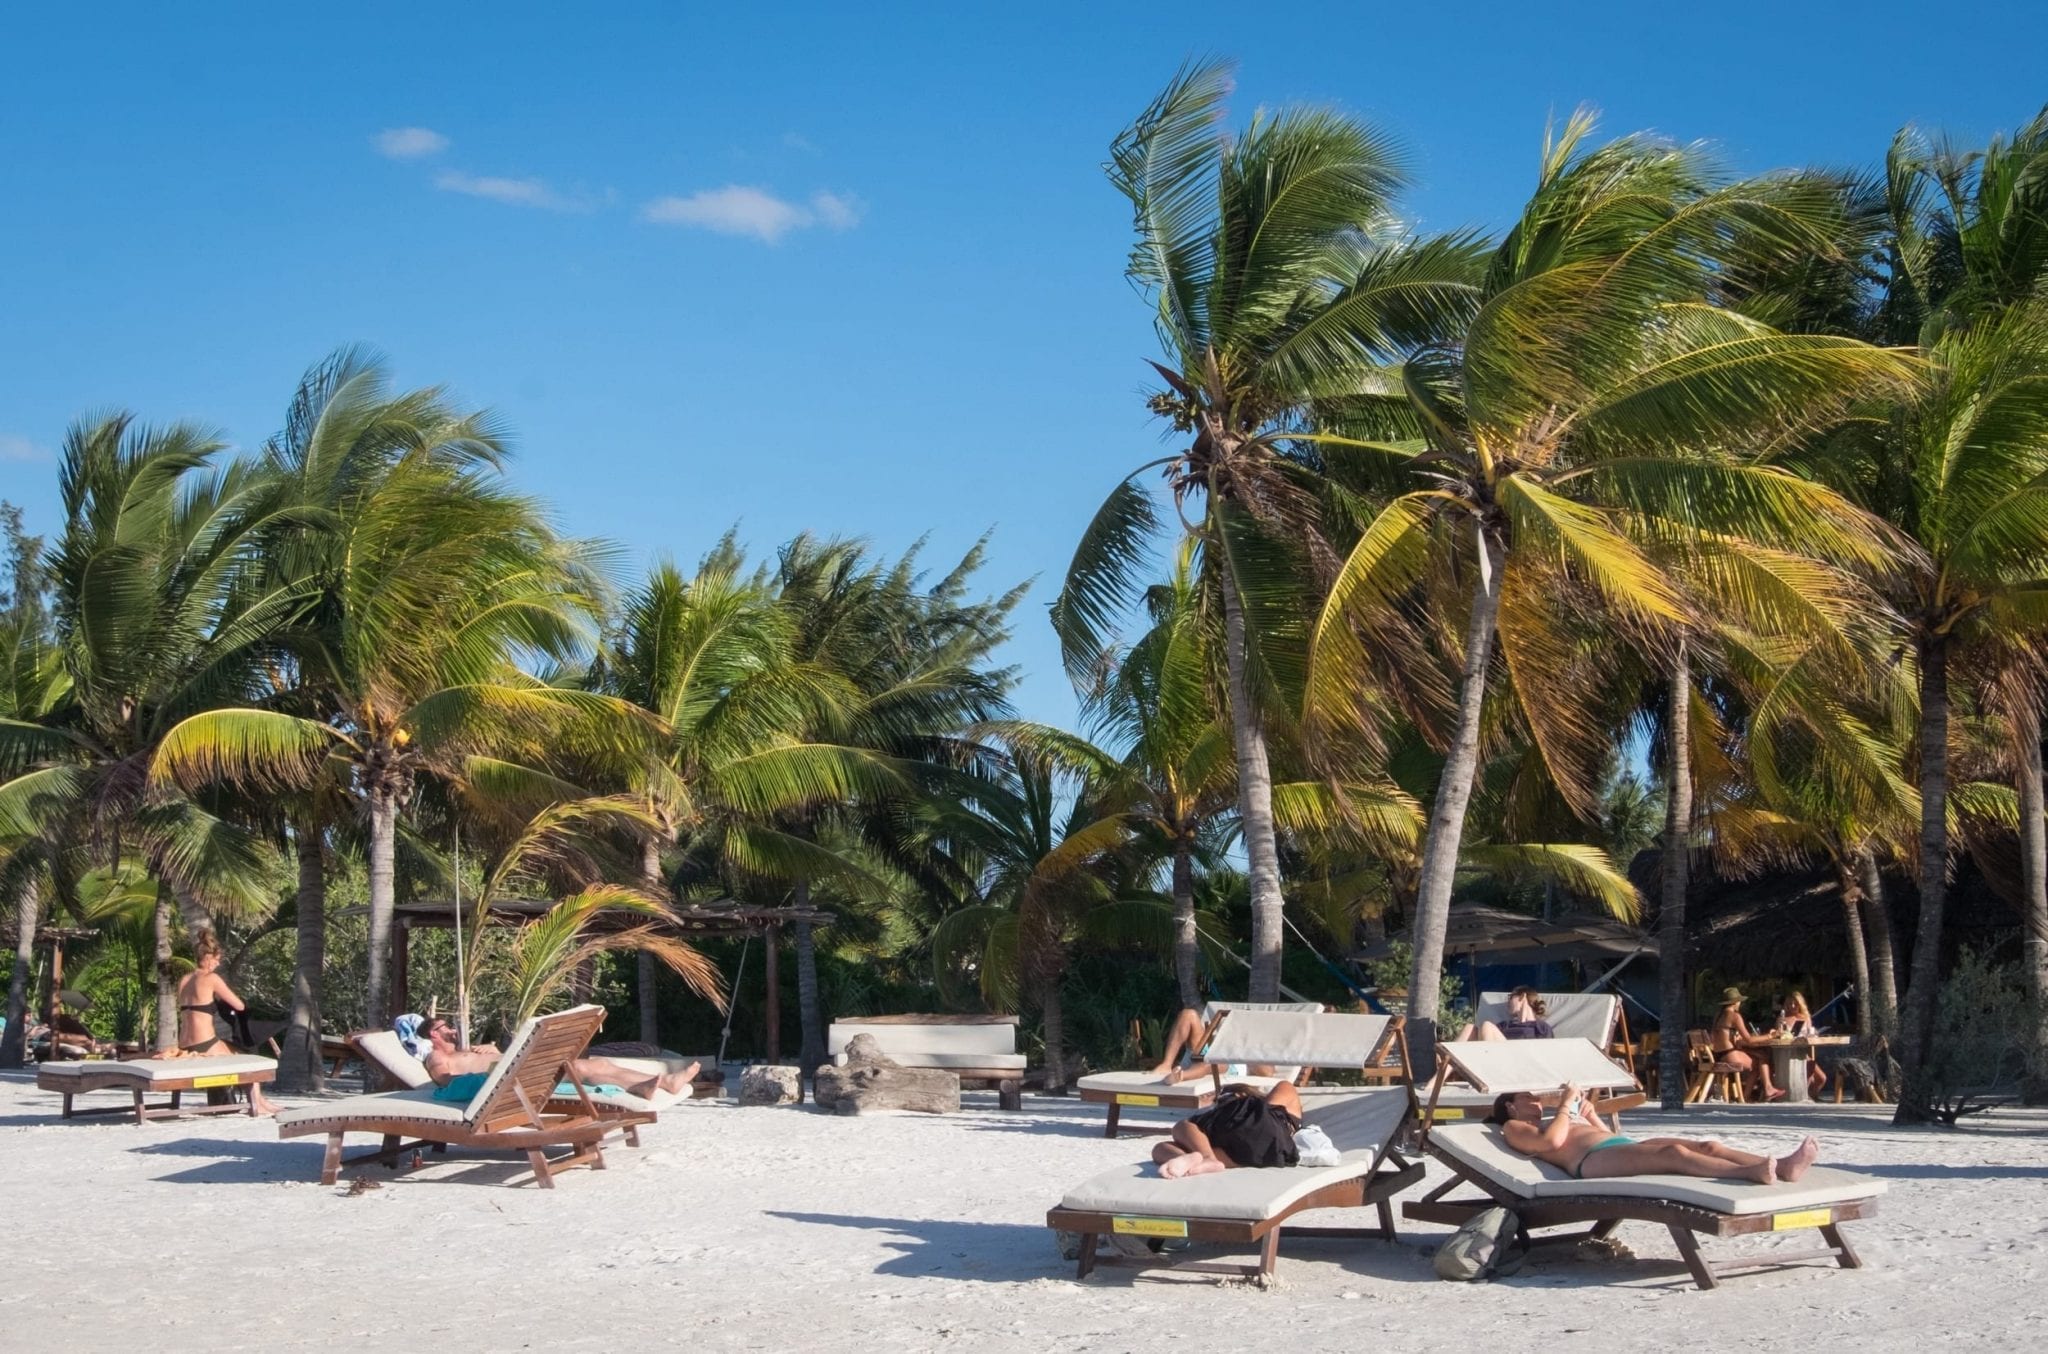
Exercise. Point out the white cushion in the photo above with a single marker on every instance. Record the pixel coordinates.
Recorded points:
(899, 1041)
(961, 1061)
(383, 1048)
(1360, 1124)
(152, 1070)
(1299, 1038)
(411, 1106)
(1482, 1149)
(1210, 1010)
(1572, 1015)
(1498, 1066)
(1144, 1083)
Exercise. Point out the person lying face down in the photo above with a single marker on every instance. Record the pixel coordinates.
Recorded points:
(1578, 1140)
(1243, 1128)
(464, 1069)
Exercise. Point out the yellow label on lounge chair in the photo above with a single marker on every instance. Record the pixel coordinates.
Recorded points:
(1148, 1226)
(1137, 1100)
(1439, 1115)
(1808, 1217)
(226, 1079)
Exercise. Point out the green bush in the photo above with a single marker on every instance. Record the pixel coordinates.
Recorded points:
(1985, 1046)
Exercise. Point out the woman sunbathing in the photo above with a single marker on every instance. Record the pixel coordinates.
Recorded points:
(202, 997)
(1525, 1020)
(1243, 1128)
(460, 1073)
(1184, 1037)
(1578, 1140)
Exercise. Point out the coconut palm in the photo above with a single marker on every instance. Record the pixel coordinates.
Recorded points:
(1279, 278)
(1593, 406)
(430, 579)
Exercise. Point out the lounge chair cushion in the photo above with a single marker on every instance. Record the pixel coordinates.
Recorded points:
(994, 1062)
(409, 1106)
(1360, 1124)
(383, 1048)
(932, 1045)
(152, 1070)
(1536, 1064)
(1483, 1150)
(1572, 1015)
(1144, 1083)
(1299, 1038)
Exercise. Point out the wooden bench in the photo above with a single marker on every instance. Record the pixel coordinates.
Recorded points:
(979, 1049)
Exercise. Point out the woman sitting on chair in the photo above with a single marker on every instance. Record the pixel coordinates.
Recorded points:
(1796, 1021)
(204, 1001)
(1732, 1039)
(1525, 1020)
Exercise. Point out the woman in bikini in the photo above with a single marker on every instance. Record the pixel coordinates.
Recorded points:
(1732, 1040)
(1578, 1140)
(1796, 1021)
(201, 995)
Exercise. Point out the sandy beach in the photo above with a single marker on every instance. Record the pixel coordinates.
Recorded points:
(787, 1228)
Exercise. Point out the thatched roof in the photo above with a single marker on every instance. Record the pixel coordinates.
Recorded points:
(1507, 937)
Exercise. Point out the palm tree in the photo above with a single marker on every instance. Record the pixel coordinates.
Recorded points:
(429, 579)
(1278, 278)
(1592, 405)
(155, 616)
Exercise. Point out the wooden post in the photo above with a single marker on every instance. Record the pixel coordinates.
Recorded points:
(773, 937)
(401, 985)
(51, 1003)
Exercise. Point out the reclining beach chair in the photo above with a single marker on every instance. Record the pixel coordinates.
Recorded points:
(1471, 1075)
(143, 1077)
(1572, 1015)
(1541, 1195)
(1240, 1029)
(517, 1108)
(1251, 1206)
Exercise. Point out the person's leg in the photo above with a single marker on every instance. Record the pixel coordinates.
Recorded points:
(1670, 1156)
(1286, 1097)
(1180, 1038)
(260, 1102)
(605, 1072)
(1484, 1030)
(1188, 1152)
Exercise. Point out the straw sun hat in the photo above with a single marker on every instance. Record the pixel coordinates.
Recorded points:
(1732, 994)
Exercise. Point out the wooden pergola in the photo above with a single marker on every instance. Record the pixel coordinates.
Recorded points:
(52, 938)
(696, 921)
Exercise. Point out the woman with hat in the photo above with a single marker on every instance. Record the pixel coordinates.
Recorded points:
(1732, 1037)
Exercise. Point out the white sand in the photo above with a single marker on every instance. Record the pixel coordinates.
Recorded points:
(786, 1228)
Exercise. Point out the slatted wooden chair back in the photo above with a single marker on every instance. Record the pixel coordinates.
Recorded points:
(536, 1062)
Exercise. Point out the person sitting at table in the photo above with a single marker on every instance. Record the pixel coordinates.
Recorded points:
(1525, 1020)
(1796, 1022)
(1732, 1040)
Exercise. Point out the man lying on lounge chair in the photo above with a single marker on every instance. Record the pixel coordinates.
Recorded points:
(460, 1072)
(1578, 1140)
(1243, 1128)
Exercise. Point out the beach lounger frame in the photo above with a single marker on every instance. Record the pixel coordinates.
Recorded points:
(1387, 1174)
(515, 1110)
(1613, 1087)
(144, 1077)
(1604, 1213)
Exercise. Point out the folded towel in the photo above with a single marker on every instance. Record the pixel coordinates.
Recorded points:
(407, 1028)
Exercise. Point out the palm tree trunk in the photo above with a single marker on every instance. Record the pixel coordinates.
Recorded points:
(300, 1067)
(166, 989)
(1674, 1015)
(1877, 934)
(27, 916)
(198, 921)
(1185, 948)
(1447, 816)
(650, 1008)
(1916, 1031)
(1254, 803)
(809, 1016)
(1055, 1035)
(2034, 867)
(1859, 956)
(383, 901)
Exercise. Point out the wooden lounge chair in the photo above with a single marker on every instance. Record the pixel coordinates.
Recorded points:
(1472, 1074)
(143, 1077)
(516, 1108)
(1571, 1015)
(1268, 1034)
(1541, 1195)
(1252, 1206)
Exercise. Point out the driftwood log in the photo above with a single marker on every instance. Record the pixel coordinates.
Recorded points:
(869, 1081)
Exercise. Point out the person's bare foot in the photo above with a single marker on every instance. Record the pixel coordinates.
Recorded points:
(1794, 1163)
(1776, 1095)
(675, 1083)
(1187, 1164)
(1765, 1172)
(1160, 1072)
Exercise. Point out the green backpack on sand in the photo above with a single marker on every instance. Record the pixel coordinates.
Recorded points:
(1489, 1246)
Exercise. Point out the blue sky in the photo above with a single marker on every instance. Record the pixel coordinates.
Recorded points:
(851, 269)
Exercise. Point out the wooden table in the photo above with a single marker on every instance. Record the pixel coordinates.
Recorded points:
(1789, 1057)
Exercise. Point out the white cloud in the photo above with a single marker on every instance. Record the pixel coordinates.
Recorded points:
(20, 449)
(409, 143)
(516, 192)
(798, 141)
(738, 209)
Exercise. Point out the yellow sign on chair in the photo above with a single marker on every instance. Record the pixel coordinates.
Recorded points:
(1808, 1217)
(1137, 1099)
(228, 1079)
(1441, 1115)
(1148, 1226)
